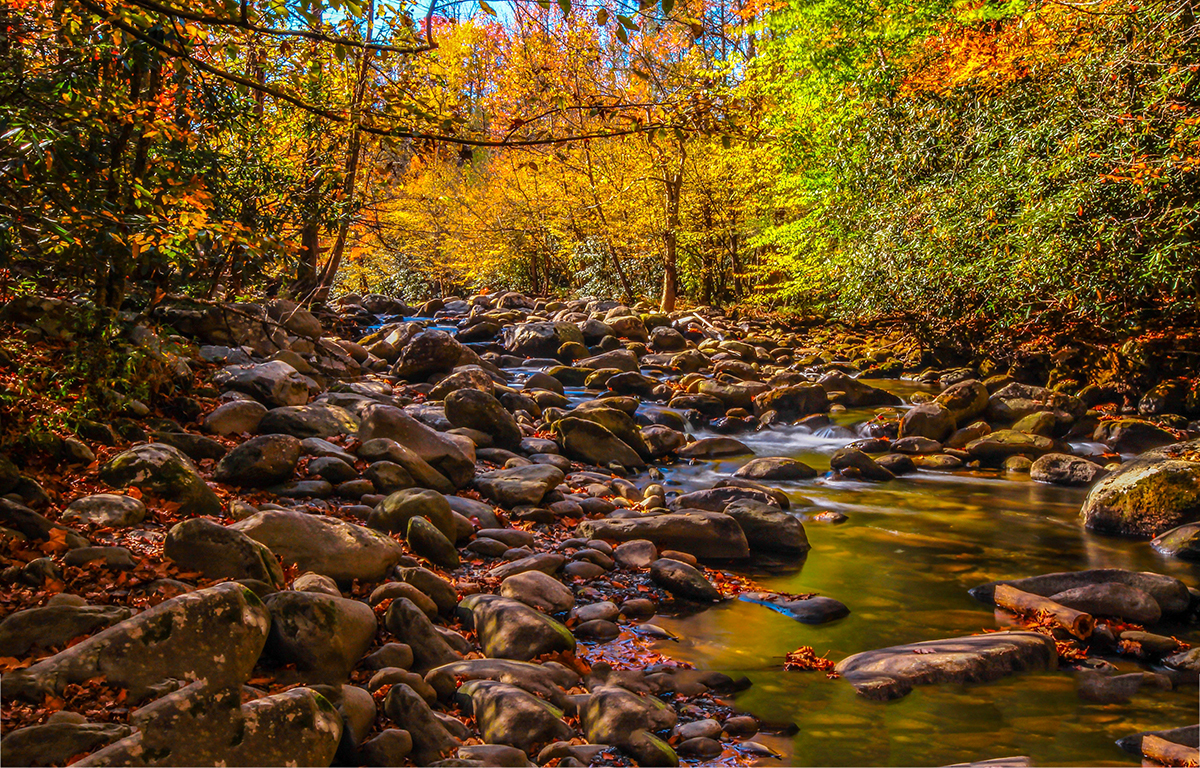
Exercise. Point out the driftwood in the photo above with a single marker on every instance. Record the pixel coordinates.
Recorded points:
(1078, 623)
(1168, 752)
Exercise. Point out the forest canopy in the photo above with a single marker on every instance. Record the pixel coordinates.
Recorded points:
(981, 162)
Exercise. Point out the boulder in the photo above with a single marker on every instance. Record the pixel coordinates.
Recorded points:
(303, 421)
(890, 673)
(272, 383)
(706, 535)
(717, 499)
(473, 409)
(1112, 599)
(618, 359)
(419, 470)
(806, 609)
(164, 471)
(683, 580)
(714, 448)
(854, 393)
(322, 635)
(775, 468)
(932, 420)
(1171, 594)
(793, 402)
(428, 542)
(539, 339)
(587, 441)
(57, 743)
(853, 462)
(1016, 401)
(430, 739)
(428, 352)
(219, 552)
(53, 626)
(412, 627)
(216, 634)
(326, 545)
(235, 418)
(509, 629)
(260, 462)
(993, 448)
(614, 715)
(539, 590)
(1144, 497)
(392, 515)
(1065, 469)
(105, 509)
(519, 485)
(434, 448)
(548, 681)
(966, 401)
(1132, 436)
(767, 529)
(510, 715)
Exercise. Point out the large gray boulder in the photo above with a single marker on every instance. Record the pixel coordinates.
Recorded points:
(323, 635)
(325, 545)
(707, 535)
(53, 626)
(519, 485)
(473, 409)
(890, 673)
(260, 462)
(427, 353)
(393, 513)
(592, 443)
(768, 529)
(509, 629)
(220, 552)
(302, 421)
(549, 681)
(1065, 469)
(1170, 593)
(965, 400)
(57, 743)
(105, 509)
(430, 740)
(164, 471)
(507, 714)
(540, 339)
(612, 715)
(215, 634)
(273, 383)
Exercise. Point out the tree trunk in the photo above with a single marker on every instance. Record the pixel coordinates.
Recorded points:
(329, 273)
(673, 188)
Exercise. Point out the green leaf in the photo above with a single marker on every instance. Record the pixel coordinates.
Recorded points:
(626, 22)
(667, 6)
(545, 4)
(565, 5)
(622, 35)
(602, 16)
(727, 142)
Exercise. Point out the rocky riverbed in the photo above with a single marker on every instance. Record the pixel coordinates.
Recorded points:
(504, 530)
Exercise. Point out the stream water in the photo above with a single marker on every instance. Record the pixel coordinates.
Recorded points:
(903, 562)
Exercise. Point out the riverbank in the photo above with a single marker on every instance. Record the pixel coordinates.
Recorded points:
(415, 497)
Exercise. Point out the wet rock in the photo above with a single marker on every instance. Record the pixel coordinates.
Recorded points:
(326, 545)
(315, 582)
(163, 471)
(411, 626)
(1111, 599)
(1106, 689)
(539, 590)
(592, 443)
(775, 468)
(473, 409)
(540, 339)
(428, 352)
(260, 461)
(219, 552)
(57, 743)
(1132, 436)
(304, 421)
(857, 464)
(105, 509)
(509, 629)
(430, 739)
(613, 715)
(1145, 497)
(714, 448)
(707, 535)
(274, 383)
(767, 529)
(438, 589)
(215, 633)
(394, 513)
(1182, 542)
(1015, 401)
(324, 636)
(853, 393)
(510, 715)
(1188, 735)
(793, 402)
(548, 681)
(930, 420)
(993, 448)
(53, 626)
(890, 673)
(1171, 594)
(683, 580)
(395, 655)
(546, 562)
(519, 485)
(813, 609)
(701, 747)
(965, 400)
(1064, 469)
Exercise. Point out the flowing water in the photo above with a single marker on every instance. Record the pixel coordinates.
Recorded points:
(903, 562)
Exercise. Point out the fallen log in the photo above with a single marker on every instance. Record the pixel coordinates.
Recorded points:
(1168, 752)
(1078, 623)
